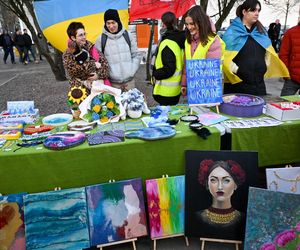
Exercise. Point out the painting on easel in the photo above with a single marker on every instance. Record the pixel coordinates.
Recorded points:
(216, 192)
(273, 220)
(116, 211)
(12, 231)
(165, 198)
(285, 180)
(56, 220)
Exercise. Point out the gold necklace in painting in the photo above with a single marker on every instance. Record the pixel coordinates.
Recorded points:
(221, 218)
(293, 181)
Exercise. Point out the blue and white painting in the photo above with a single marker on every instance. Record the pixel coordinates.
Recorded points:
(116, 211)
(12, 231)
(273, 220)
(56, 220)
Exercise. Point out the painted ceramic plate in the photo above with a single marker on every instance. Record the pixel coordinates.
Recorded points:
(189, 118)
(57, 119)
(81, 125)
(152, 133)
(64, 140)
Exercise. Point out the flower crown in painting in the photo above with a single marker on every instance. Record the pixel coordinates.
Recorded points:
(232, 167)
(103, 107)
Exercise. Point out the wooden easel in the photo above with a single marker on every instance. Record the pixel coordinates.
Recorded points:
(169, 236)
(236, 242)
(117, 243)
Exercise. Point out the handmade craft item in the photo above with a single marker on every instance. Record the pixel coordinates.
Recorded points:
(110, 136)
(11, 126)
(32, 129)
(81, 125)
(10, 134)
(56, 220)
(116, 210)
(165, 199)
(284, 179)
(242, 105)
(102, 105)
(189, 118)
(272, 220)
(64, 140)
(57, 119)
(152, 133)
(76, 95)
(134, 103)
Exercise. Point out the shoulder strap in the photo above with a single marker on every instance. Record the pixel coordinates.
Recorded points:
(103, 41)
(127, 39)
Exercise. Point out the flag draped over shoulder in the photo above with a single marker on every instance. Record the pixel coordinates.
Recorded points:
(235, 38)
(155, 8)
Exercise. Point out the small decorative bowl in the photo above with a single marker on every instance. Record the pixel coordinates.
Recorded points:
(242, 105)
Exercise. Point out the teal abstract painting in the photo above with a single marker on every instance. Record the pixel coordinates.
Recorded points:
(273, 220)
(56, 220)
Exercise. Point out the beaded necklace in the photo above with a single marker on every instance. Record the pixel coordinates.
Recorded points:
(221, 216)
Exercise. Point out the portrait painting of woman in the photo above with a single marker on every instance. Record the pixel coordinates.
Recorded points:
(216, 193)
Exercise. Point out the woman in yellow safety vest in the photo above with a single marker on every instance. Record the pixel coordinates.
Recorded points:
(167, 70)
(201, 40)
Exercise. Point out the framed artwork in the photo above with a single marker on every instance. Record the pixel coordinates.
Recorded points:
(285, 180)
(273, 220)
(12, 230)
(165, 199)
(116, 211)
(56, 220)
(216, 192)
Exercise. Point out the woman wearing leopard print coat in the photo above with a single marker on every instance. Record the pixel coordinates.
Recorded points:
(80, 66)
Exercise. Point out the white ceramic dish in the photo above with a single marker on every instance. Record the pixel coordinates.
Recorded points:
(57, 119)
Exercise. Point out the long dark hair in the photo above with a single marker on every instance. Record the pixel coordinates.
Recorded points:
(250, 5)
(169, 19)
(201, 20)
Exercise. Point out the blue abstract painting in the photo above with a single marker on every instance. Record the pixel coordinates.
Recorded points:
(56, 220)
(12, 230)
(273, 220)
(116, 211)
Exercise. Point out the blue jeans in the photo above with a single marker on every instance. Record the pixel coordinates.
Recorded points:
(290, 87)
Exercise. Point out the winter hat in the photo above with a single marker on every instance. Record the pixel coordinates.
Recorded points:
(112, 14)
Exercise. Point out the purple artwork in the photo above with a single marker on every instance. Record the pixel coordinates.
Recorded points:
(116, 211)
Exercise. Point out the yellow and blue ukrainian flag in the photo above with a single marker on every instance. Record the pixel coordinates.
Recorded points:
(54, 17)
(235, 38)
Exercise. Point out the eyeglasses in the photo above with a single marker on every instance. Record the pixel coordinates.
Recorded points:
(81, 35)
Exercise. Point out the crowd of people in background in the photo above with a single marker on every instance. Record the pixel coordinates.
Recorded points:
(22, 42)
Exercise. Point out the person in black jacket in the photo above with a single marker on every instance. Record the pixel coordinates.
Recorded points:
(19, 42)
(170, 62)
(8, 46)
(28, 45)
(250, 64)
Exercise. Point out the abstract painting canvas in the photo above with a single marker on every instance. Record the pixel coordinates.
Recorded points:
(165, 199)
(216, 192)
(116, 211)
(285, 180)
(56, 220)
(273, 220)
(12, 230)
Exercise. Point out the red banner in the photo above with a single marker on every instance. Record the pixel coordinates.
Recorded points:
(155, 8)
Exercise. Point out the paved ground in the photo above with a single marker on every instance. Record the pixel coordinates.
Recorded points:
(36, 82)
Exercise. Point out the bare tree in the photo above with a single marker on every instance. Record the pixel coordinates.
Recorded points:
(284, 7)
(8, 18)
(21, 9)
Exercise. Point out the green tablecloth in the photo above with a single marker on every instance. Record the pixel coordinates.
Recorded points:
(32, 170)
(275, 145)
